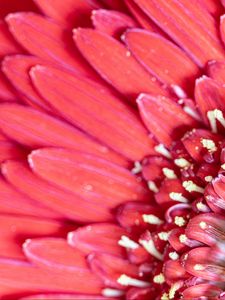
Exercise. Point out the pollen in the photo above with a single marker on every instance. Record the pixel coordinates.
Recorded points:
(202, 207)
(213, 116)
(173, 255)
(199, 267)
(152, 186)
(178, 197)
(152, 219)
(160, 279)
(163, 235)
(127, 243)
(208, 178)
(165, 296)
(137, 168)
(127, 280)
(161, 149)
(179, 221)
(182, 163)
(190, 186)
(169, 173)
(150, 248)
(203, 225)
(183, 238)
(209, 145)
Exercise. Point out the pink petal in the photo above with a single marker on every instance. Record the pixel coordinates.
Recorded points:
(35, 129)
(15, 229)
(216, 70)
(100, 113)
(113, 23)
(6, 91)
(98, 238)
(207, 289)
(209, 95)
(9, 150)
(213, 7)
(30, 278)
(66, 296)
(69, 12)
(7, 43)
(188, 25)
(159, 56)
(68, 204)
(121, 70)
(163, 111)
(33, 31)
(98, 178)
(114, 4)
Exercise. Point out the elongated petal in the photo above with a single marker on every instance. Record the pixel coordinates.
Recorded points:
(66, 296)
(113, 23)
(159, 56)
(213, 7)
(15, 229)
(33, 31)
(109, 268)
(206, 289)
(183, 22)
(6, 91)
(209, 95)
(222, 28)
(163, 111)
(97, 178)
(9, 150)
(120, 69)
(98, 238)
(216, 70)
(207, 228)
(7, 44)
(35, 129)
(99, 113)
(68, 13)
(27, 277)
(68, 204)
(16, 69)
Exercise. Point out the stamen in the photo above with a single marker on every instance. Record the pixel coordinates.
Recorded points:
(208, 178)
(162, 150)
(182, 163)
(202, 207)
(173, 289)
(152, 186)
(164, 236)
(191, 112)
(178, 197)
(112, 292)
(214, 115)
(199, 267)
(127, 243)
(137, 168)
(173, 255)
(209, 145)
(179, 221)
(150, 248)
(190, 186)
(169, 173)
(165, 296)
(223, 166)
(203, 225)
(160, 279)
(126, 281)
(152, 219)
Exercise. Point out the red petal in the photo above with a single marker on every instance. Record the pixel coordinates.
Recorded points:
(98, 178)
(33, 31)
(216, 70)
(120, 69)
(99, 113)
(7, 43)
(109, 268)
(208, 290)
(159, 113)
(69, 12)
(15, 229)
(173, 271)
(213, 7)
(98, 238)
(6, 91)
(114, 4)
(35, 129)
(16, 69)
(67, 204)
(192, 28)
(9, 150)
(209, 95)
(142, 18)
(215, 195)
(159, 56)
(113, 23)
(207, 228)
(15, 5)
(28, 277)
(66, 296)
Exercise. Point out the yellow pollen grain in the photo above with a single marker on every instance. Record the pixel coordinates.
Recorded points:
(179, 221)
(209, 145)
(183, 238)
(160, 279)
(203, 225)
(199, 267)
(169, 173)
(182, 163)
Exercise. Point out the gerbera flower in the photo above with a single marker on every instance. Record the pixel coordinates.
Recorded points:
(112, 150)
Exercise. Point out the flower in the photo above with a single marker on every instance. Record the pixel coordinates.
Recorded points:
(112, 150)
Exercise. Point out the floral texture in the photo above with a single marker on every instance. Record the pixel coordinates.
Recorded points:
(112, 152)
